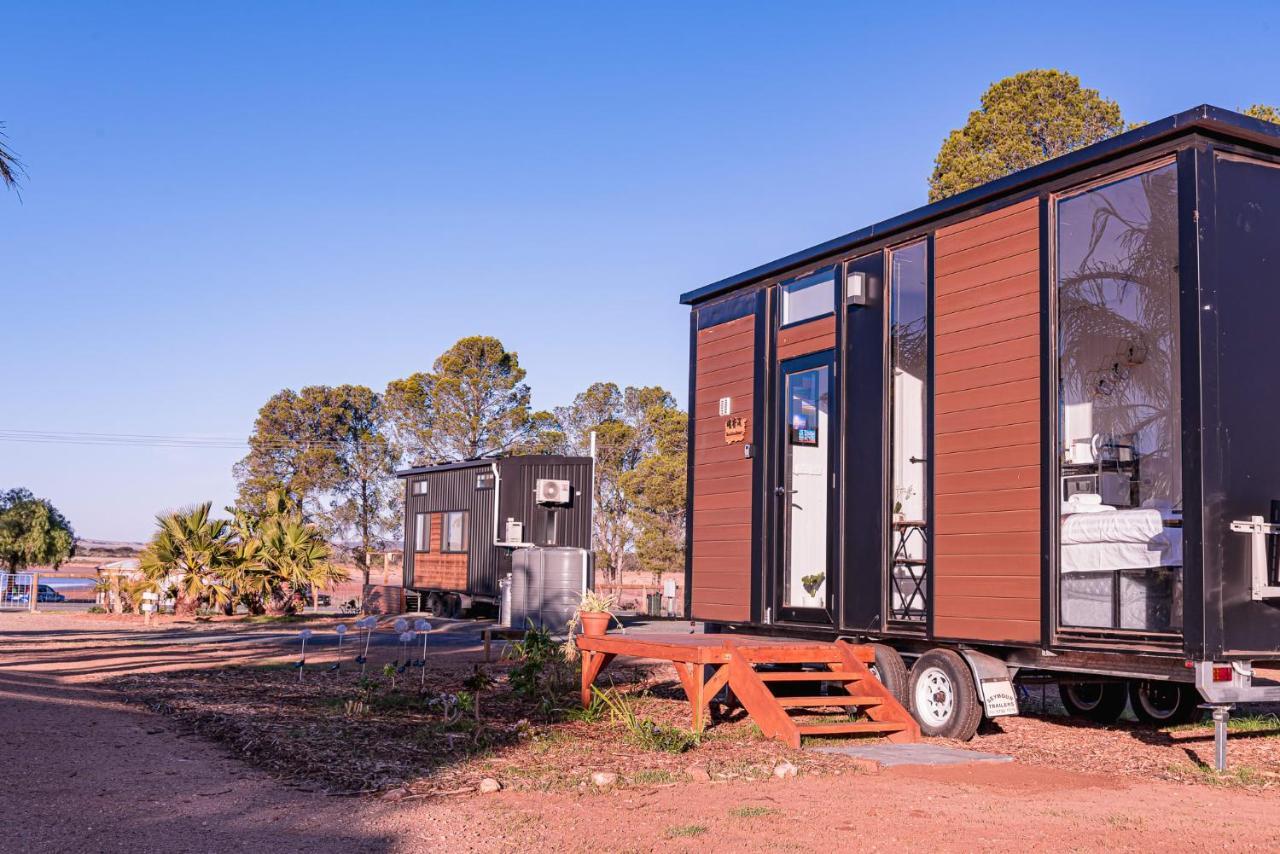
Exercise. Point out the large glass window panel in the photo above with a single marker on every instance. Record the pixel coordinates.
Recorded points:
(807, 479)
(908, 393)
(421, 532)
(808, 297)
(454, 532)
(1119, 448)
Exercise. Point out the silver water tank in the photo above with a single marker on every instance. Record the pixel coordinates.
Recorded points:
(547, 583)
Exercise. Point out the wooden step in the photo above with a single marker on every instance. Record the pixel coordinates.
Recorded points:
(829, 700)
(815, 653)
(807, 676)
(851, 728)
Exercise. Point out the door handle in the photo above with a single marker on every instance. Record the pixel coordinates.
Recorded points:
(782, 490)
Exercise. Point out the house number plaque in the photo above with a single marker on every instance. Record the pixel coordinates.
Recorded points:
(735, 430)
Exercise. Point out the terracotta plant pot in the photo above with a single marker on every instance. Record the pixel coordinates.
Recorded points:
(594, 623)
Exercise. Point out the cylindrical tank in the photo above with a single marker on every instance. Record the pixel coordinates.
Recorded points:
(504, 601)
(546, 585)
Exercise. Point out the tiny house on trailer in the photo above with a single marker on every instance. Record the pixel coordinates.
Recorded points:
(463, 521)
(1024, 430)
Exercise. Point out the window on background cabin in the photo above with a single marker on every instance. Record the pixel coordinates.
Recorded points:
(808, 297)
(484, 480)
(420, 487)
(908, 394)
(421, 532)
(1119, 403)
(455, 531)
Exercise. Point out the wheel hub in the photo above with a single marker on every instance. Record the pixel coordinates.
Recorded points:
(935, 697)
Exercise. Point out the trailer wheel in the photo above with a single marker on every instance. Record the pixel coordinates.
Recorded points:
(1165, 703)
(944, 699)
(891, 670)
(435, 604)
(1100, 702)
(453, 605)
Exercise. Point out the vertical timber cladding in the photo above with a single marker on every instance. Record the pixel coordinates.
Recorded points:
(987, 427)
(722, 492)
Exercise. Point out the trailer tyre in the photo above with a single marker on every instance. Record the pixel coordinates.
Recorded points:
(1100, 702)
(1165, 703)
(891, 670)
(944, 698)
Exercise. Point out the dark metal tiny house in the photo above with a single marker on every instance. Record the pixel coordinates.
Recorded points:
(1023, 508)
(463, 520)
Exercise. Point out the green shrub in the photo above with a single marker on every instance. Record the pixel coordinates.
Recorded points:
(645, 732)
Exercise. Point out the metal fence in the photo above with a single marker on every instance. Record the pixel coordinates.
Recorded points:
(18, 591)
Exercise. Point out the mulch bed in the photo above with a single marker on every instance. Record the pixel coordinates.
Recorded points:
(304, 732)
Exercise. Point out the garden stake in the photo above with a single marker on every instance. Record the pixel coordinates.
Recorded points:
(422, 626)
(368, 633)
(341, 631)
(304, 634)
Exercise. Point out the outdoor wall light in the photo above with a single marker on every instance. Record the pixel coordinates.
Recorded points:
(855, 287)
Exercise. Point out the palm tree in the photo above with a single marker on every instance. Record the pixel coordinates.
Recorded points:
(295, 558)
(193, 552)
(10, 166)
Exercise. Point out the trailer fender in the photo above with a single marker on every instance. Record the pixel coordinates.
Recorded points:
(994, 679)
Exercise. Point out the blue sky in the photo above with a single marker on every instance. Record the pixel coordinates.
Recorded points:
(228, 199)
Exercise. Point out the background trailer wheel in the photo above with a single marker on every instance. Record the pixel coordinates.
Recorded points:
(944, 698)
(891, 670)
(1165, 703)
(1100, 702)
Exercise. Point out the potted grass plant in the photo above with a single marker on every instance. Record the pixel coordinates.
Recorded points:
(594, 613)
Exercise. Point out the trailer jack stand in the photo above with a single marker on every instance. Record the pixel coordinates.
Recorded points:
(1221, 715)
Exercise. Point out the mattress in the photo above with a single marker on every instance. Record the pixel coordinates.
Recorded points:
(1112, 526)
(1164, 549)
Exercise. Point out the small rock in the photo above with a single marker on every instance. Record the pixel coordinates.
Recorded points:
(697, 774)
(489, 785)
(394, 795)
(785, 769)
(604, 779)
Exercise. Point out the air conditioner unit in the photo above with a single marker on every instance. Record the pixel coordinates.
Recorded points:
(552, 491)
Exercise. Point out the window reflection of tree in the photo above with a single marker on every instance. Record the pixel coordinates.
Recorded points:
(1117, 316)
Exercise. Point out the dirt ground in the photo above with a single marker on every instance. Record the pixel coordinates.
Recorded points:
(91, 770)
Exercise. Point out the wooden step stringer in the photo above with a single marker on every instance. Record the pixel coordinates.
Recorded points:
(850, 676)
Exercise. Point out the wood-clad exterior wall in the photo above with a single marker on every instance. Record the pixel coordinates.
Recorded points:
(804, 338)
(722, 494)
(436, 569)
(987, 564)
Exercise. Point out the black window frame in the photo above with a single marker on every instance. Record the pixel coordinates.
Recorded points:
(419, 487)
(444, 531)
(418, 529)
(836, 296)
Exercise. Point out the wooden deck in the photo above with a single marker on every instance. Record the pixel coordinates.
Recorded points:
(706, 664)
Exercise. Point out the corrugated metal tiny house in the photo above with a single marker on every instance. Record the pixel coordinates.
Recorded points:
(1022, 419)
(463, 520)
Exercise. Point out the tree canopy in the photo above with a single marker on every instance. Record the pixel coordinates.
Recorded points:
(1023, 120)
(640, 474)
(327, 449)
(10, 166)
(32, 531)
(473, 403)
(1266, 112)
